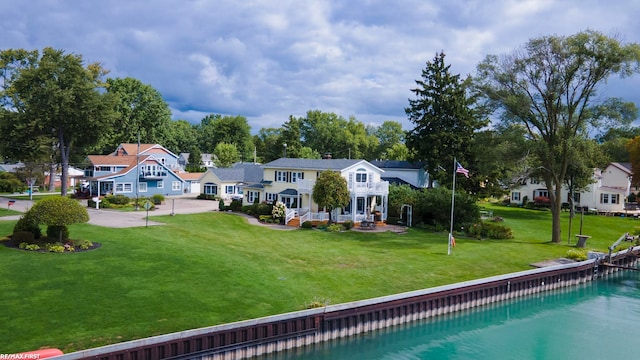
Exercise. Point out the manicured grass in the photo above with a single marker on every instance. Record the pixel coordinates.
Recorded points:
(212, 268)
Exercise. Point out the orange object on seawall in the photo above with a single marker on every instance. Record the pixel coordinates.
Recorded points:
(40, 354)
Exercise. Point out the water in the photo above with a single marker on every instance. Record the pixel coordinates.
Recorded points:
(599, 320)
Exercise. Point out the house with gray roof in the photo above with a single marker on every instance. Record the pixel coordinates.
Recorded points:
(229, 183)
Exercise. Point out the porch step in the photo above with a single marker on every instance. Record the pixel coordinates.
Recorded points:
(295, 222)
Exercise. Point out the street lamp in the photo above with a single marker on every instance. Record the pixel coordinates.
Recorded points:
(285, 149)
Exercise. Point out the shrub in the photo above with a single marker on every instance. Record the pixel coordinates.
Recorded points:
(236, 205)
(58, 232)
(264, 218)
(307, 225)
(348, 225)
(82, 244)
(157, 199)
(489, 230)
(32, 247)
(118, 199)
(334, 228)
(279, 210)
(54, 248)
(20, 237)
(221, 205)
(28, 223)
(264, 209)
(577, 255)
(541, 201)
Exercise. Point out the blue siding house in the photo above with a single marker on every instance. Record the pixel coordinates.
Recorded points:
(135, 174)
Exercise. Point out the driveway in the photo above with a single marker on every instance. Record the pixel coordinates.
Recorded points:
(121, 219)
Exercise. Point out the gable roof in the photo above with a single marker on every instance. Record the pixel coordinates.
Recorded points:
(98, 160)
(624, 166)
(241, 172)
(312, 164)
(190, 176)
(132, 149)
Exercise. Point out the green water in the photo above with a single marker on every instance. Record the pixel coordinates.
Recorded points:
(600, 320)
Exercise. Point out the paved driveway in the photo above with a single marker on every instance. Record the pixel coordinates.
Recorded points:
(121, 219)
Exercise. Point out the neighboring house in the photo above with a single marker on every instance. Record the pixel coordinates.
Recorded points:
(607, 194)
(74, 177)
(10, 167)
(191, 182)
(164, 156)
(229, 183)
(206, 160)
(135, 175)
(291, 181)
(398, 172)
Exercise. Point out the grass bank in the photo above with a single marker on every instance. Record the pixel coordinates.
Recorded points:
(212, 268)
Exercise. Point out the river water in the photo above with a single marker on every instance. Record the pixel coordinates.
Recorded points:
(598, 320)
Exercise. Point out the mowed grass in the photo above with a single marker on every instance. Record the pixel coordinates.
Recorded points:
(212, 268)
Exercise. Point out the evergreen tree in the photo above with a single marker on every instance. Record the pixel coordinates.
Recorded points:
(444, 121)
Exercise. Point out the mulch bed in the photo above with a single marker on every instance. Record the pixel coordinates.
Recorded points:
(42, 241)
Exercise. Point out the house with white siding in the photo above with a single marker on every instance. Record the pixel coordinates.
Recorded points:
(607, 194)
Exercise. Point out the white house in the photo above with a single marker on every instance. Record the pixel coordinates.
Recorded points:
(607, 194)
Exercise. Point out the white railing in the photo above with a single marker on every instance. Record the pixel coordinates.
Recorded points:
(323, 216)
(305, 186)
(379, 187)
(290, 214)
(305, 217)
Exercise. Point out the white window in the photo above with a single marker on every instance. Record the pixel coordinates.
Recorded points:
(604, 198)
(296, 175)
(281, 176)
(271, 197)
(176, 185)
(253, 196)
(229, 189)
(361, 177)
(515, 196)
(160, 184)
(211, 188)
(142, 187)
(615, 198)
(123, 188)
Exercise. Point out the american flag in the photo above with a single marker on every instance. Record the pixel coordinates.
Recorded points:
(461, 170)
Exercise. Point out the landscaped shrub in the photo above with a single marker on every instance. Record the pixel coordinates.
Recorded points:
(28, 223)
(264, 218)
(489, 230)
(82, 244)
(207, 197)
(20, 237)
(279, 211)
(348, 225)
(236, 205)
(334, 228)
(264, 209)
(307, 225)
(433, 206)
(541, 201)
(577, 255)
(117, 199)
(157, 199)
(58, 232)
(55, 248)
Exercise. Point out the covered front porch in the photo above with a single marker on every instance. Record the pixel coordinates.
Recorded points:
(367, 203)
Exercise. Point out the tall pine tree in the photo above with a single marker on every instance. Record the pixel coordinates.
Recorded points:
(443, 118)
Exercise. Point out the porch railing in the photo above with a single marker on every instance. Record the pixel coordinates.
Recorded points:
(290, 214)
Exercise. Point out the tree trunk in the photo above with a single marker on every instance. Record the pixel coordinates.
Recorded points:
(64, 160)
(556, 210)
(52, 176)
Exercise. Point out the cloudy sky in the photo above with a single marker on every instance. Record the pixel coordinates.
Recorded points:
(268, 59)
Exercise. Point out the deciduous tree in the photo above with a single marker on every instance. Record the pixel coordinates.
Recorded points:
(55, 97)
(549, 86)
(330, 191)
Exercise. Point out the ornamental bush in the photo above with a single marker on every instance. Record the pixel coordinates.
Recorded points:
(58, 212)
(489, 230)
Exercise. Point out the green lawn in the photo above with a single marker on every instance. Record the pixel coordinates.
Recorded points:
(212, 268)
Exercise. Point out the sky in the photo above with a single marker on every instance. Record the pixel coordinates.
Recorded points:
(269, 59)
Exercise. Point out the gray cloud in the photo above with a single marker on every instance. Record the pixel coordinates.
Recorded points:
(267, 60)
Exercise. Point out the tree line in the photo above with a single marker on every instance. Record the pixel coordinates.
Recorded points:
(534, 112)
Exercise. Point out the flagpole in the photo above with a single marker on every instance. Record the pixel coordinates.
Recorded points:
(453, 193)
